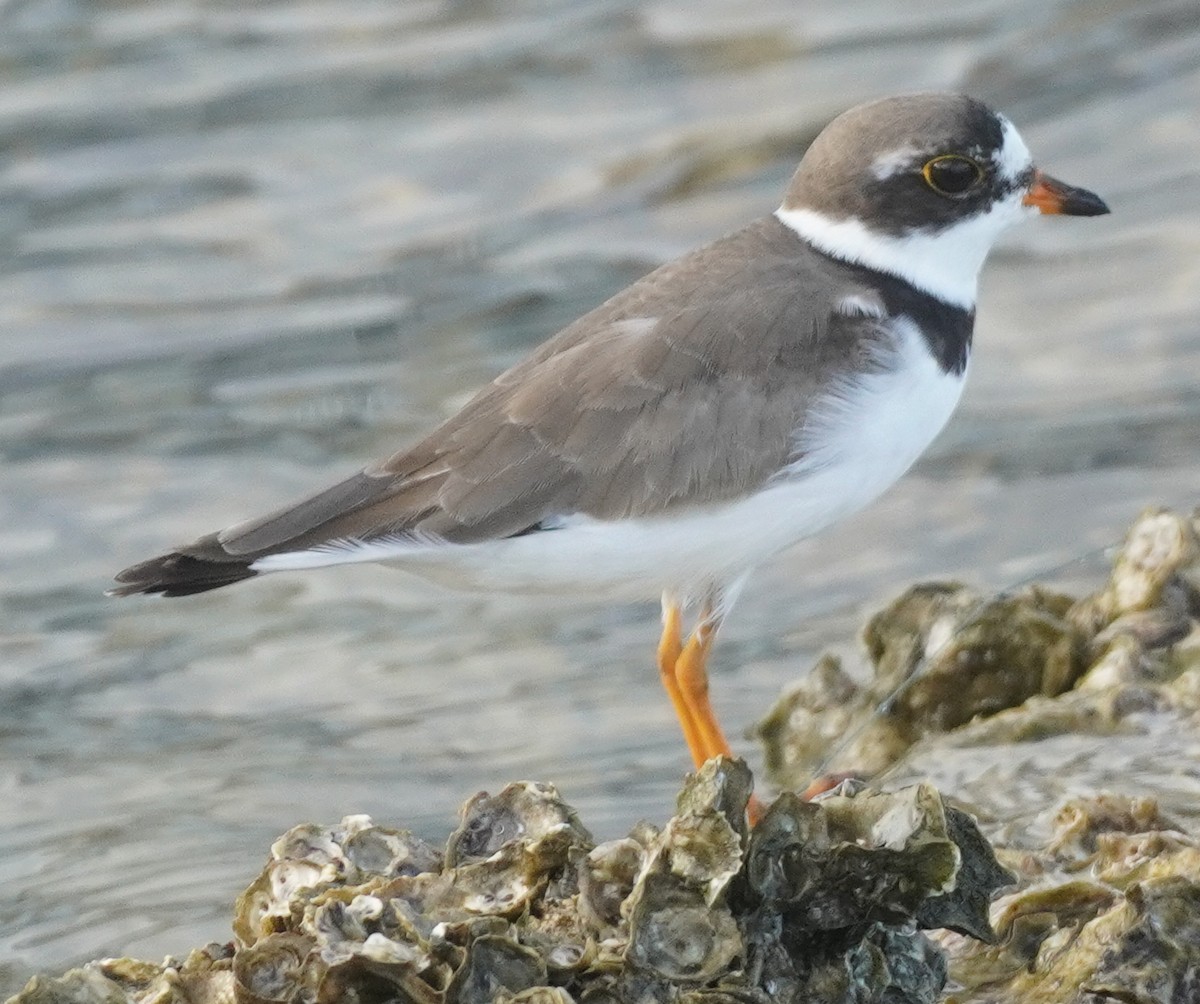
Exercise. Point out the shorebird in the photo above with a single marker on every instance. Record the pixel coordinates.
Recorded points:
(716, 411)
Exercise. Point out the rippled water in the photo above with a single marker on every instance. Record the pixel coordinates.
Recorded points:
(249, 247)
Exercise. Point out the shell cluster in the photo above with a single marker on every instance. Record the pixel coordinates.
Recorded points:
(1109, 910)
(824, 900)
(1109, 907)
(1004, 668)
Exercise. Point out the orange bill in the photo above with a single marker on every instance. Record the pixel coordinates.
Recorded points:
(1056, 197)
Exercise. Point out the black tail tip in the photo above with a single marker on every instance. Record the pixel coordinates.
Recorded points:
(178, 574)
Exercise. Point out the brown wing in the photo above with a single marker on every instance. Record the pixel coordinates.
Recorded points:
(686, 389)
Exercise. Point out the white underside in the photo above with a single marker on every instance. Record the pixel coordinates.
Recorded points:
(862, 437)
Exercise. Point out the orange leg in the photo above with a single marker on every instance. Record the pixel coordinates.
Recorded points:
(669, 648)
(684, 671)
(691, 677)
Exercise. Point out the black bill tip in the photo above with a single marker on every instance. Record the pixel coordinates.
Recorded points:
(1057, 198)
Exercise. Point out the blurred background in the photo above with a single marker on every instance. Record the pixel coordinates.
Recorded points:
(246, 248)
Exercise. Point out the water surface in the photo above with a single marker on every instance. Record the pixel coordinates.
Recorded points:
(247, 249)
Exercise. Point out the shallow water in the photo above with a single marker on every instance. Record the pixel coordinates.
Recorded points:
(247, 250)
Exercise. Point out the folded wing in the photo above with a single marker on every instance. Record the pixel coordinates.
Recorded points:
(684, 390)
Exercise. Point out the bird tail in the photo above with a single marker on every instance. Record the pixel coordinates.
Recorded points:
(178, 574)
(228, 556)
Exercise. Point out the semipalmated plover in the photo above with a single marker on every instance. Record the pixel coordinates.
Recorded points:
(714, 412)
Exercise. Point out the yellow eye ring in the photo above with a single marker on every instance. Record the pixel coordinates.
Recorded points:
(951, 174)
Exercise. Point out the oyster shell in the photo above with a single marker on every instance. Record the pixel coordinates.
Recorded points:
(204, 977)
(845, 861)
(676, 935)
(526, 812)
(310, 858)
(826, 901)
(273, 970)
(606, 878)
(942, 656)
(495, 963)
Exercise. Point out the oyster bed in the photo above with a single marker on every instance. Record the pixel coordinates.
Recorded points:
(859, 895)
(824, 900)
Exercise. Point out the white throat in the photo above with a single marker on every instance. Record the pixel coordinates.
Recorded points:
(945, 263)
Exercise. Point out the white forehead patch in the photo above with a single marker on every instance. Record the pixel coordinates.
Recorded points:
(888, 165)
(1013, 158)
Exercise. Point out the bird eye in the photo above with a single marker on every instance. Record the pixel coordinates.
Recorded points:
(951, 174)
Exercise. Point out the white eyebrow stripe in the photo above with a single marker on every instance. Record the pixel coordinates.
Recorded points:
(895, 162)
